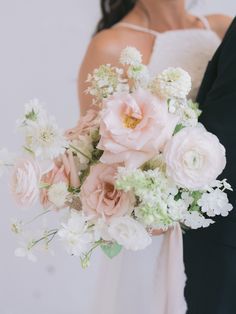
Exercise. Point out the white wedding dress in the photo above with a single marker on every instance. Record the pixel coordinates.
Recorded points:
(126, 285)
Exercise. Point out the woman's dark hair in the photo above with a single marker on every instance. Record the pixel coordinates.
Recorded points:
(113, 11)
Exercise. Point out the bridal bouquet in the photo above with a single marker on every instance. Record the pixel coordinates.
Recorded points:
(138, 160)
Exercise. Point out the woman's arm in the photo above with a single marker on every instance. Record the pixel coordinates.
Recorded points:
(104, 48)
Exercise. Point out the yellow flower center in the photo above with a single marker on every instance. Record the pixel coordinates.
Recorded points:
(131, 122)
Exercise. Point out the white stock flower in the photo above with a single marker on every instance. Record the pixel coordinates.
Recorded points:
(215, 203)
(195, 220)
(57, 194)
(129, 233)
(130, 56)
(172, 82)
(177, 209)
(75, 234)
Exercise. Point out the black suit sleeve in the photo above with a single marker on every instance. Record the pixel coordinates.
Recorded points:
(219, 104)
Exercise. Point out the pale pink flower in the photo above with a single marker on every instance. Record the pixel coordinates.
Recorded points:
(134, 128)
(64, 171)
(25, 181)
(88, 122)
(100, 198)
(194, 158)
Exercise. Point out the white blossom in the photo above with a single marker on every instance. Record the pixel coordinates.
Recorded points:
(129, 233)
(34, 113)
(130, 56)
(177, 208)
(172, 82)
(76, 235)
(57, 194)
(45, 139)
(196, 220)
(101, 230)
(26, 251)
(215, 203)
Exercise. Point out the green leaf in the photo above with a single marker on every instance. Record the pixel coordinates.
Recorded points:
(178, 128)
(111, 249)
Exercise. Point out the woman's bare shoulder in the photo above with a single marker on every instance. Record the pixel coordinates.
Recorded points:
(220, 23)
(107, 44)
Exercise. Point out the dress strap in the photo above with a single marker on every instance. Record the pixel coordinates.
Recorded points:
(137, 28)
(204, 21)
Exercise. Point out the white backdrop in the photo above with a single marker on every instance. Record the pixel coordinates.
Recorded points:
(42, 45)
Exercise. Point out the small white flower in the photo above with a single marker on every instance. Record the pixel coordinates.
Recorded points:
(139, 74)
(16, 226)
(34, 113)
(25, 251)
(195, 220)
(215, 203)
(177, 209)
(45, 139)
(129, 233)
(130, 56)
(101, 230)
(75, 234)
(172, 82)
(57, 194)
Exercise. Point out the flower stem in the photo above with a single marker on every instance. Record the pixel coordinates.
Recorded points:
(79, 152)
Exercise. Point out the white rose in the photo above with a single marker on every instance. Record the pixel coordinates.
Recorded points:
(194, 158)
(129, 233)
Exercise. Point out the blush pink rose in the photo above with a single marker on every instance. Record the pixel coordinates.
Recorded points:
(194, 158)
(134, 128)
(25, 181)
(65, 171)
(88, 122)
(100, 198)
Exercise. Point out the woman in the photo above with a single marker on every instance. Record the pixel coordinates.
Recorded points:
(167, 35)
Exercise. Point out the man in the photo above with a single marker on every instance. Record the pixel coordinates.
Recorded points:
(210, 254)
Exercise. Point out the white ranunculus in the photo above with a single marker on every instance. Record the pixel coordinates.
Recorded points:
(129, 233)
(194, 158)
(76, 235)
(215, 203)
(172, 82)
(58, 193)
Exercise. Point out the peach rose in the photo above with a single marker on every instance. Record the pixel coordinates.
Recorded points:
(64, 171)
(86, 123)
(194, 158)
(25, 181)
(99, 196)
(134, 128)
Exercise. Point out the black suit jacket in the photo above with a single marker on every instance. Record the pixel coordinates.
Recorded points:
(210, 254)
